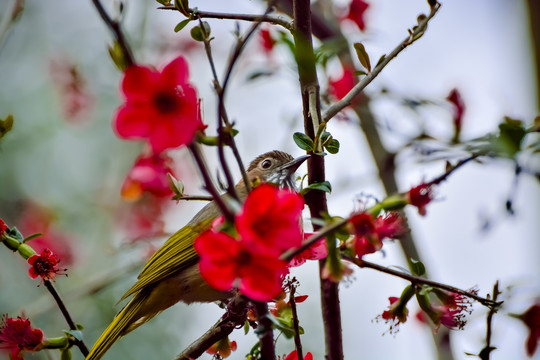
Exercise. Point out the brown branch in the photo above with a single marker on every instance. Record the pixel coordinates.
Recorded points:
(486, 351)
(264, 331)
(235, 316)
(79, 343)
(196, 198)
(281, 20)
(114, 26)
(296, 325)
(208, 184)
(423, 281)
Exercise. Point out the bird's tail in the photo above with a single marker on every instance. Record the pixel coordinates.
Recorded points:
(125, 321)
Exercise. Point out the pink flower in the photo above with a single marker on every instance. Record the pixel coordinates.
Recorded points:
(270, 219)
(227, 262)
(44, 265)
(17, 335)
(341, 87)
(317, 251)
(148, 174)
(395, 315)
(357, 9)
(294, 356)
(420, 196)
(369, 233)
(161, 107)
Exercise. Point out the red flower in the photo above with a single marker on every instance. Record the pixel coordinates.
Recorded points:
(266, 40)
(341, 87)
(16, 335)
(148, 174)
(294, 356)
(161, 107)
(396, 314)
(270, 219)
(227, 262)
(3, 228)
(370, 232)
(223, 348)
(420, 196)
(459, 109)
(531, 318)
(317, 251)
(44, 265)
(357, 9)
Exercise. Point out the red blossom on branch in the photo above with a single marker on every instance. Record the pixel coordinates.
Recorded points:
(317, 251)
(395, 315)
(266, 40)
(356, 13)
(268, 224)
(369, 232)
(459, 110)
(148, 174)
(270, 219)
(161, 107)
(531, 319)
(3, 228)
(341, 87)
(294, 356)
(420, 196)
(17, 335)
(223, 348)
(44, 265)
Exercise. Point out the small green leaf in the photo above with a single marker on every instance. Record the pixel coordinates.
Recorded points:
(362, 56)
(197, 33)
(33, 236)
(182, 24)
(246, 327)
(381, 59)
(425, 290)
(183, 7)
(77, 334)
(117, 55)
(359, 73)
(303, 141)
(417, 267)
(6, 125)
(164, 2)
(332, 146)
(322, 186)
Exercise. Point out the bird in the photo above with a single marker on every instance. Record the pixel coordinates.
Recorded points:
(172, 273)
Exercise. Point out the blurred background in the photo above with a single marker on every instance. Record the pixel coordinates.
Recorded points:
(62, 168)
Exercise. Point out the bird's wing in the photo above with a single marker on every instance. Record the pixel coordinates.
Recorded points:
(176, 254)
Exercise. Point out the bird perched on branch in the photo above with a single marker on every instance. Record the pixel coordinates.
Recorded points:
(172, 274)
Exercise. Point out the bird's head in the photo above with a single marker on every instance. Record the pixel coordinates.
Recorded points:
(276, 167)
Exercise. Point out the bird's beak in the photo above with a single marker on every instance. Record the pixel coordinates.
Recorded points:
(292, 165)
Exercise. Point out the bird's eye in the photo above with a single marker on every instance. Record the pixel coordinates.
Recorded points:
(266, 164)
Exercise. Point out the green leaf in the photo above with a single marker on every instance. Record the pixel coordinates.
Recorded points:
(381, 59)
(77, 334)
(332, 146)
(164, 2)
(322, 186)
(511, 134)
(197, 33)
(246, 327)
(33, 236)
(182, 24)
(362, 56)
(359, 73)
(65, 354)
(417, 267)
(425, 290)
(183, 7)
(303, 141)
(6, 125)
(117, 55)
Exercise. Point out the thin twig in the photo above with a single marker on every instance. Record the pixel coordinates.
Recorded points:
(418, 280)
(486, 351)
(79, 343)
(451, 169)
(208, 184)
(114, 26)
(357, 89)
(196, 197)
(296, 325)
(281, 20)
(235, 316)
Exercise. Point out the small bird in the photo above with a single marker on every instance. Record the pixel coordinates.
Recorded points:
(172, 273)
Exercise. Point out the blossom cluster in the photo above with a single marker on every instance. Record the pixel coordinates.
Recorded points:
(247, 256)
